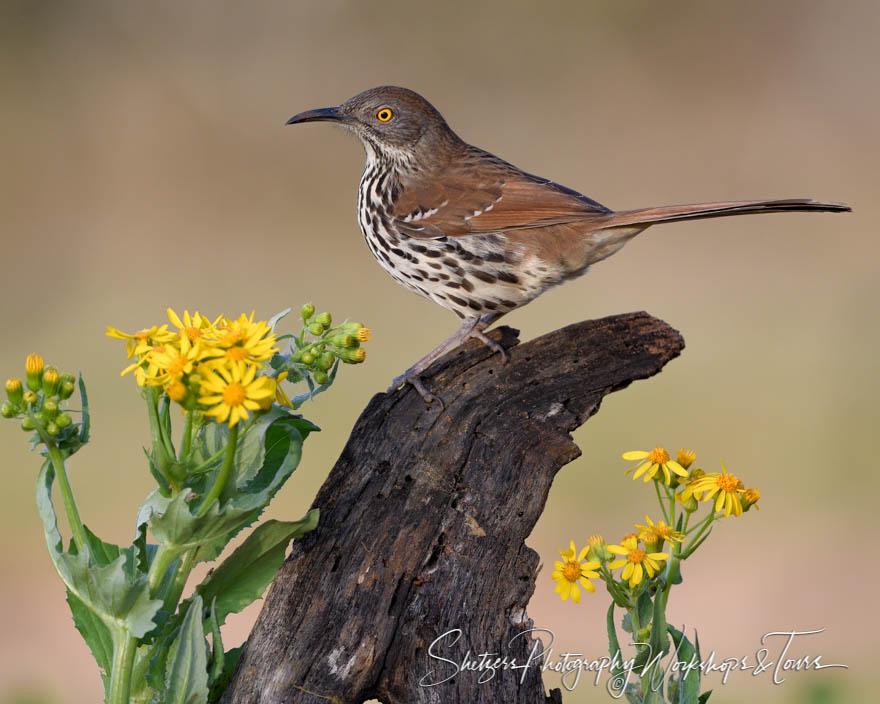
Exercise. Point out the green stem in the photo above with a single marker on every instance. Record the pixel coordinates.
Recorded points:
(73, 517)
(124, 648)
(222, 474)
(184, 567)
(186, 442)
(157, 437)
(161, 562)
(660, 501)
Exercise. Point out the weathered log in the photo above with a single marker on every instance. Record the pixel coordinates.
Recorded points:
(423, 523)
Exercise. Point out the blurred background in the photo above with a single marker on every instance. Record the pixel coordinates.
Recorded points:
(145, 164)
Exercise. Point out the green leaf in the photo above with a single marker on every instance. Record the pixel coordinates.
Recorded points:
(689, 685)
(704, 697)
(244, 575)
(96, 635)
(273, 321)
(216, 646)
(613, 643)
(122, 603)
(187, 680)
(86, 424)
(230, 662)
(644, 608)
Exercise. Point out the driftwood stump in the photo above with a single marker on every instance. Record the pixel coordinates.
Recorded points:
(423, 523)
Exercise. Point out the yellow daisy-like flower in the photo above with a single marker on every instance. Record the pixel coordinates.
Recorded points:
(245, 342)
(652, 533)
(574, 571)
(750, 498)
(652, 462)
(728, 488)
(230, 393)
(173, 363)
(635, 561)
(142, 339)
(192, 327)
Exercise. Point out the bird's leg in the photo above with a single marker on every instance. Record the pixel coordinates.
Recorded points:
(468, 329)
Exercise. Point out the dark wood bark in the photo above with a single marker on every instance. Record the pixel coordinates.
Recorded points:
(423, 525)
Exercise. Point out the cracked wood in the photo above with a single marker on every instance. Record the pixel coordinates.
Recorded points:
(423, 525)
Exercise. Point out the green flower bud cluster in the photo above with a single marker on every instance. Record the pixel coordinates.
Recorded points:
(330, 344)
(38, 400)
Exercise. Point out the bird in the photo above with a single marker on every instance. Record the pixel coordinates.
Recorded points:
(474, 233)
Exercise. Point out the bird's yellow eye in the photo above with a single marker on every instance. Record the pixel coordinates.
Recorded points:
(384, 115)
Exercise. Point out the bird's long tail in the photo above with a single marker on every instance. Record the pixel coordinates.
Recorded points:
(672, 213)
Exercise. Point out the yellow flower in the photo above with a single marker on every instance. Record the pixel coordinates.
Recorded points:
(654, 460)
(686, 457)
(658, 533)
(281, 398)
(141, 340)
(750, 498)
(636, 561)
(191, 327)
(598, 548)
(173, 363)
(728, 488)
(176, 390)
(230, 393)
(245, 342)
(572, 571)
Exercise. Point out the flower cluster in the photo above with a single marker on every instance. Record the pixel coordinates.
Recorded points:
(213, 365)
(680, 487)
(330, 343)
(39, 400)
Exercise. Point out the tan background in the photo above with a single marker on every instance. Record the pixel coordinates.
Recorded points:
(145, 164)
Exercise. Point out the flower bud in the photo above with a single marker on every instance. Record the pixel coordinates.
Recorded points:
(39, 417)
(325, 361)
(316, 329)
(51, 381)
(63, 420)
(308, 358)
(320, 377)
(750, 498)
(353, 356)
(66, 390)
(7, 410)
(27, 424)
(30, 398)
(52, 428)
(691, 504)
(307, 311)
(324, 319)
(50, 409)
(344, 341)
(14, 391)
(176, 390)
(598, 549)
(33, 365)
(686, 457)
(364, 334)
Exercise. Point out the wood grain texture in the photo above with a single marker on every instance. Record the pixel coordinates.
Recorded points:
(423, 525)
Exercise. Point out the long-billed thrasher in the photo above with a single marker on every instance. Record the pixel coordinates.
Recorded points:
(473, 233)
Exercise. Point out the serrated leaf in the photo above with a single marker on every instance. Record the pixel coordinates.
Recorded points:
(107, 590)
(187, 680)
(243, 576)
(689, 685)
(177, 529)
(96, 635)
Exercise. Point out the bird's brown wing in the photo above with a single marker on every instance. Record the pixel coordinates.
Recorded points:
(492, 196)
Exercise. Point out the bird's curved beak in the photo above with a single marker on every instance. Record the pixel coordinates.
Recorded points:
(319, 115)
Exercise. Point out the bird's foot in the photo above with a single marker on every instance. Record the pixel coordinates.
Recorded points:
(409, 377)
(478, 334)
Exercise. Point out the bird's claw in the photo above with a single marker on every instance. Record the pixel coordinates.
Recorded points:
(491, 344)
(418, 385)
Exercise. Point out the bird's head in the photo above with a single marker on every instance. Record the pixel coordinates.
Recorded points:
(393, 123)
